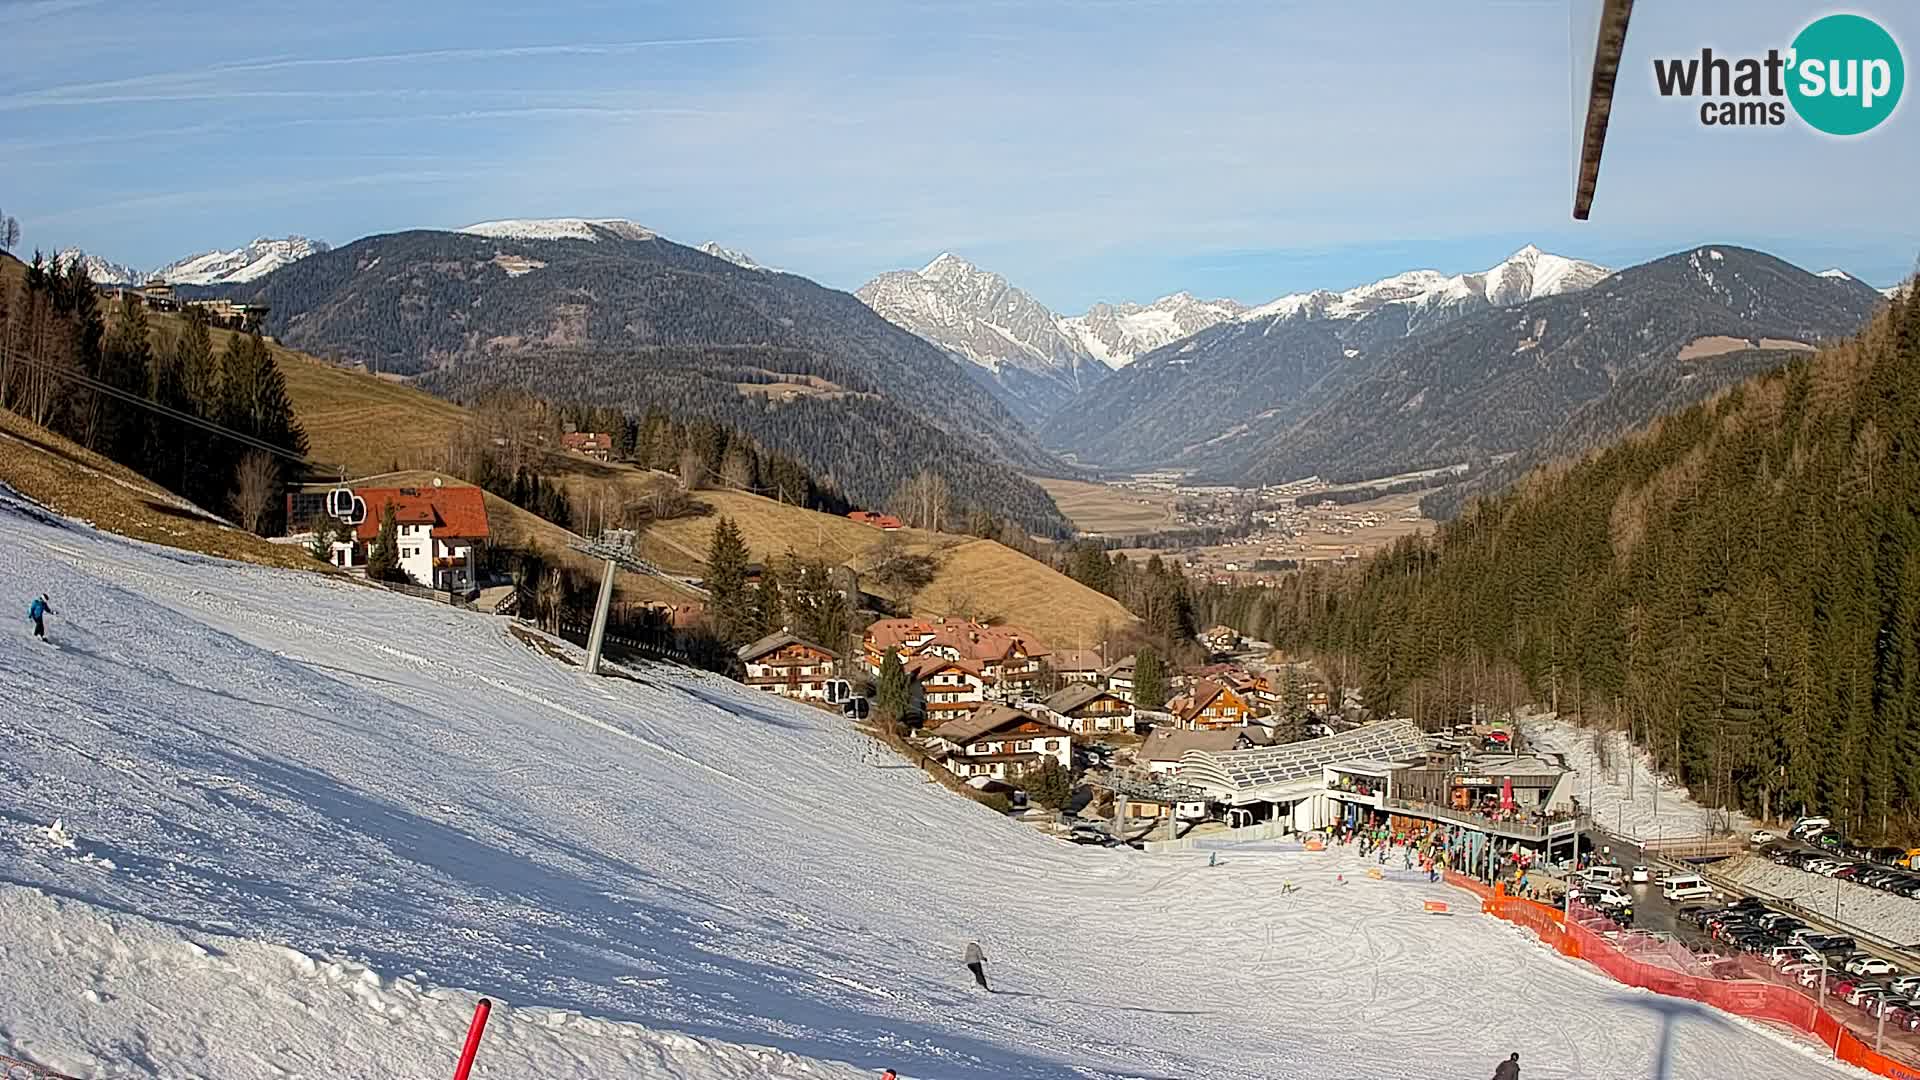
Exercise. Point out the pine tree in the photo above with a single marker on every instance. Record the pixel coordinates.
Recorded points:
(892, 690)
(383, 557)
(1049, 783)
(202, 471)
(1149, 680)
(126, 364)
(769, 609)
(730, 602)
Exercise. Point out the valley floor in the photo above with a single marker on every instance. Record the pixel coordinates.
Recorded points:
(259, 823)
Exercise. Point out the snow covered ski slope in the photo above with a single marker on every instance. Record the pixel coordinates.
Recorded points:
(301, 823)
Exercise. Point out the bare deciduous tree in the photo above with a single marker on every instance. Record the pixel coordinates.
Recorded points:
(256, 482)
(693, 470)
(924, 500)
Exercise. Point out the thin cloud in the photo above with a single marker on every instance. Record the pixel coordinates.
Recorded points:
(69, 94)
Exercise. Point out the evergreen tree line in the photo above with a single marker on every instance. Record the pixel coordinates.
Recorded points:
(51, 324)
(1737, 586)
(796, 593)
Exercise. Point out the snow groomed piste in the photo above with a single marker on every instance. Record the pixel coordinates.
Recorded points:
(303, 825)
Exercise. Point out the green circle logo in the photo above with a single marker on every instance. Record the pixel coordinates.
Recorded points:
(1847, 75)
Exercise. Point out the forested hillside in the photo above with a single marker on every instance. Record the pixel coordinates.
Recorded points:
(863, 444)
(1738, 585)
(632, 320)
(63, 368)
(1504, 380)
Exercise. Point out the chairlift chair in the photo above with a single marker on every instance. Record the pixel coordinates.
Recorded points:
(356, 513)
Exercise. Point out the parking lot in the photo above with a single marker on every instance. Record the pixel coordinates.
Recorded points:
(1653, 913)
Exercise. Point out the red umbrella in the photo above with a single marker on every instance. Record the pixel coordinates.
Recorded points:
(1506, 793)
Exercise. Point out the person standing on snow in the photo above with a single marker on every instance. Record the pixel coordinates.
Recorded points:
(977, 963)
(1508, 1069)
(38, 612)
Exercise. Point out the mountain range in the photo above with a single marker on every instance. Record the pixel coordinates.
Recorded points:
(607, 312)
(1510, 380)
(1209, 388)
(242, 264)
(1034, 359)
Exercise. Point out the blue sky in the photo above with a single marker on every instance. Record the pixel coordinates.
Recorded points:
(1088, 149)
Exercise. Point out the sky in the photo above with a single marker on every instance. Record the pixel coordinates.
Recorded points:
(1086, 149)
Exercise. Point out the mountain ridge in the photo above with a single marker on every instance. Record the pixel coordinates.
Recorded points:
(613, 314)
(1211, 387)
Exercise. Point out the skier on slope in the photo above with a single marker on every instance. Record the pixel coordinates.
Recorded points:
(37, 613)
(1508, 1069)
(977, 963)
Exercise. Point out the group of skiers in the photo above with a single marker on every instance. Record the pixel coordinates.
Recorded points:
(1428, 849)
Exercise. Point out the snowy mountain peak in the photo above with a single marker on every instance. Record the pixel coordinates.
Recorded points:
(588, 229)
(99, 270)
(733, 255)
(261, 257)
(1116, 334)
(1836, 272)
(1527, 274)
(947, 265)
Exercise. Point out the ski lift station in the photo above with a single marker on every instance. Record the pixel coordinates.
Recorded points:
(1387, 771)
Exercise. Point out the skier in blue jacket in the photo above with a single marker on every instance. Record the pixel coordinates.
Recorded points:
(38, 612)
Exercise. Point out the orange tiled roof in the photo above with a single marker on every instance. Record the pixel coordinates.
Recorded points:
(456, 513)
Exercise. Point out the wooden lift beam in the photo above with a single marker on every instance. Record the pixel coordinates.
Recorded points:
(1606, 69)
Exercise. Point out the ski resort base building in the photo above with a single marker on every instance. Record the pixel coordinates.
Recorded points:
(1383, 773)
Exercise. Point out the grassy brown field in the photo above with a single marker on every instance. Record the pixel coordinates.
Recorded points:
(360, 421)
(974, 575)
(1099, 508)
(76, 482)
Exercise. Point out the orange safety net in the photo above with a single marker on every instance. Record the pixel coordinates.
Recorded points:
(1659, 967)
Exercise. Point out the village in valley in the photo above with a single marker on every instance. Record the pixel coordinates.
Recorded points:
(1111, 741)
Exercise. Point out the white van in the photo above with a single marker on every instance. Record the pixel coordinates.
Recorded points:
(1686, 887)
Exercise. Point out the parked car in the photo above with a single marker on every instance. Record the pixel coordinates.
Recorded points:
(1761, 836)
(1837, 943)
(1864, 992)
(1087, 834)
(1869, 965)
(1811, 976)
(1686, 887)
(1807, 825)
(1907, 985)
(1782, 955)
